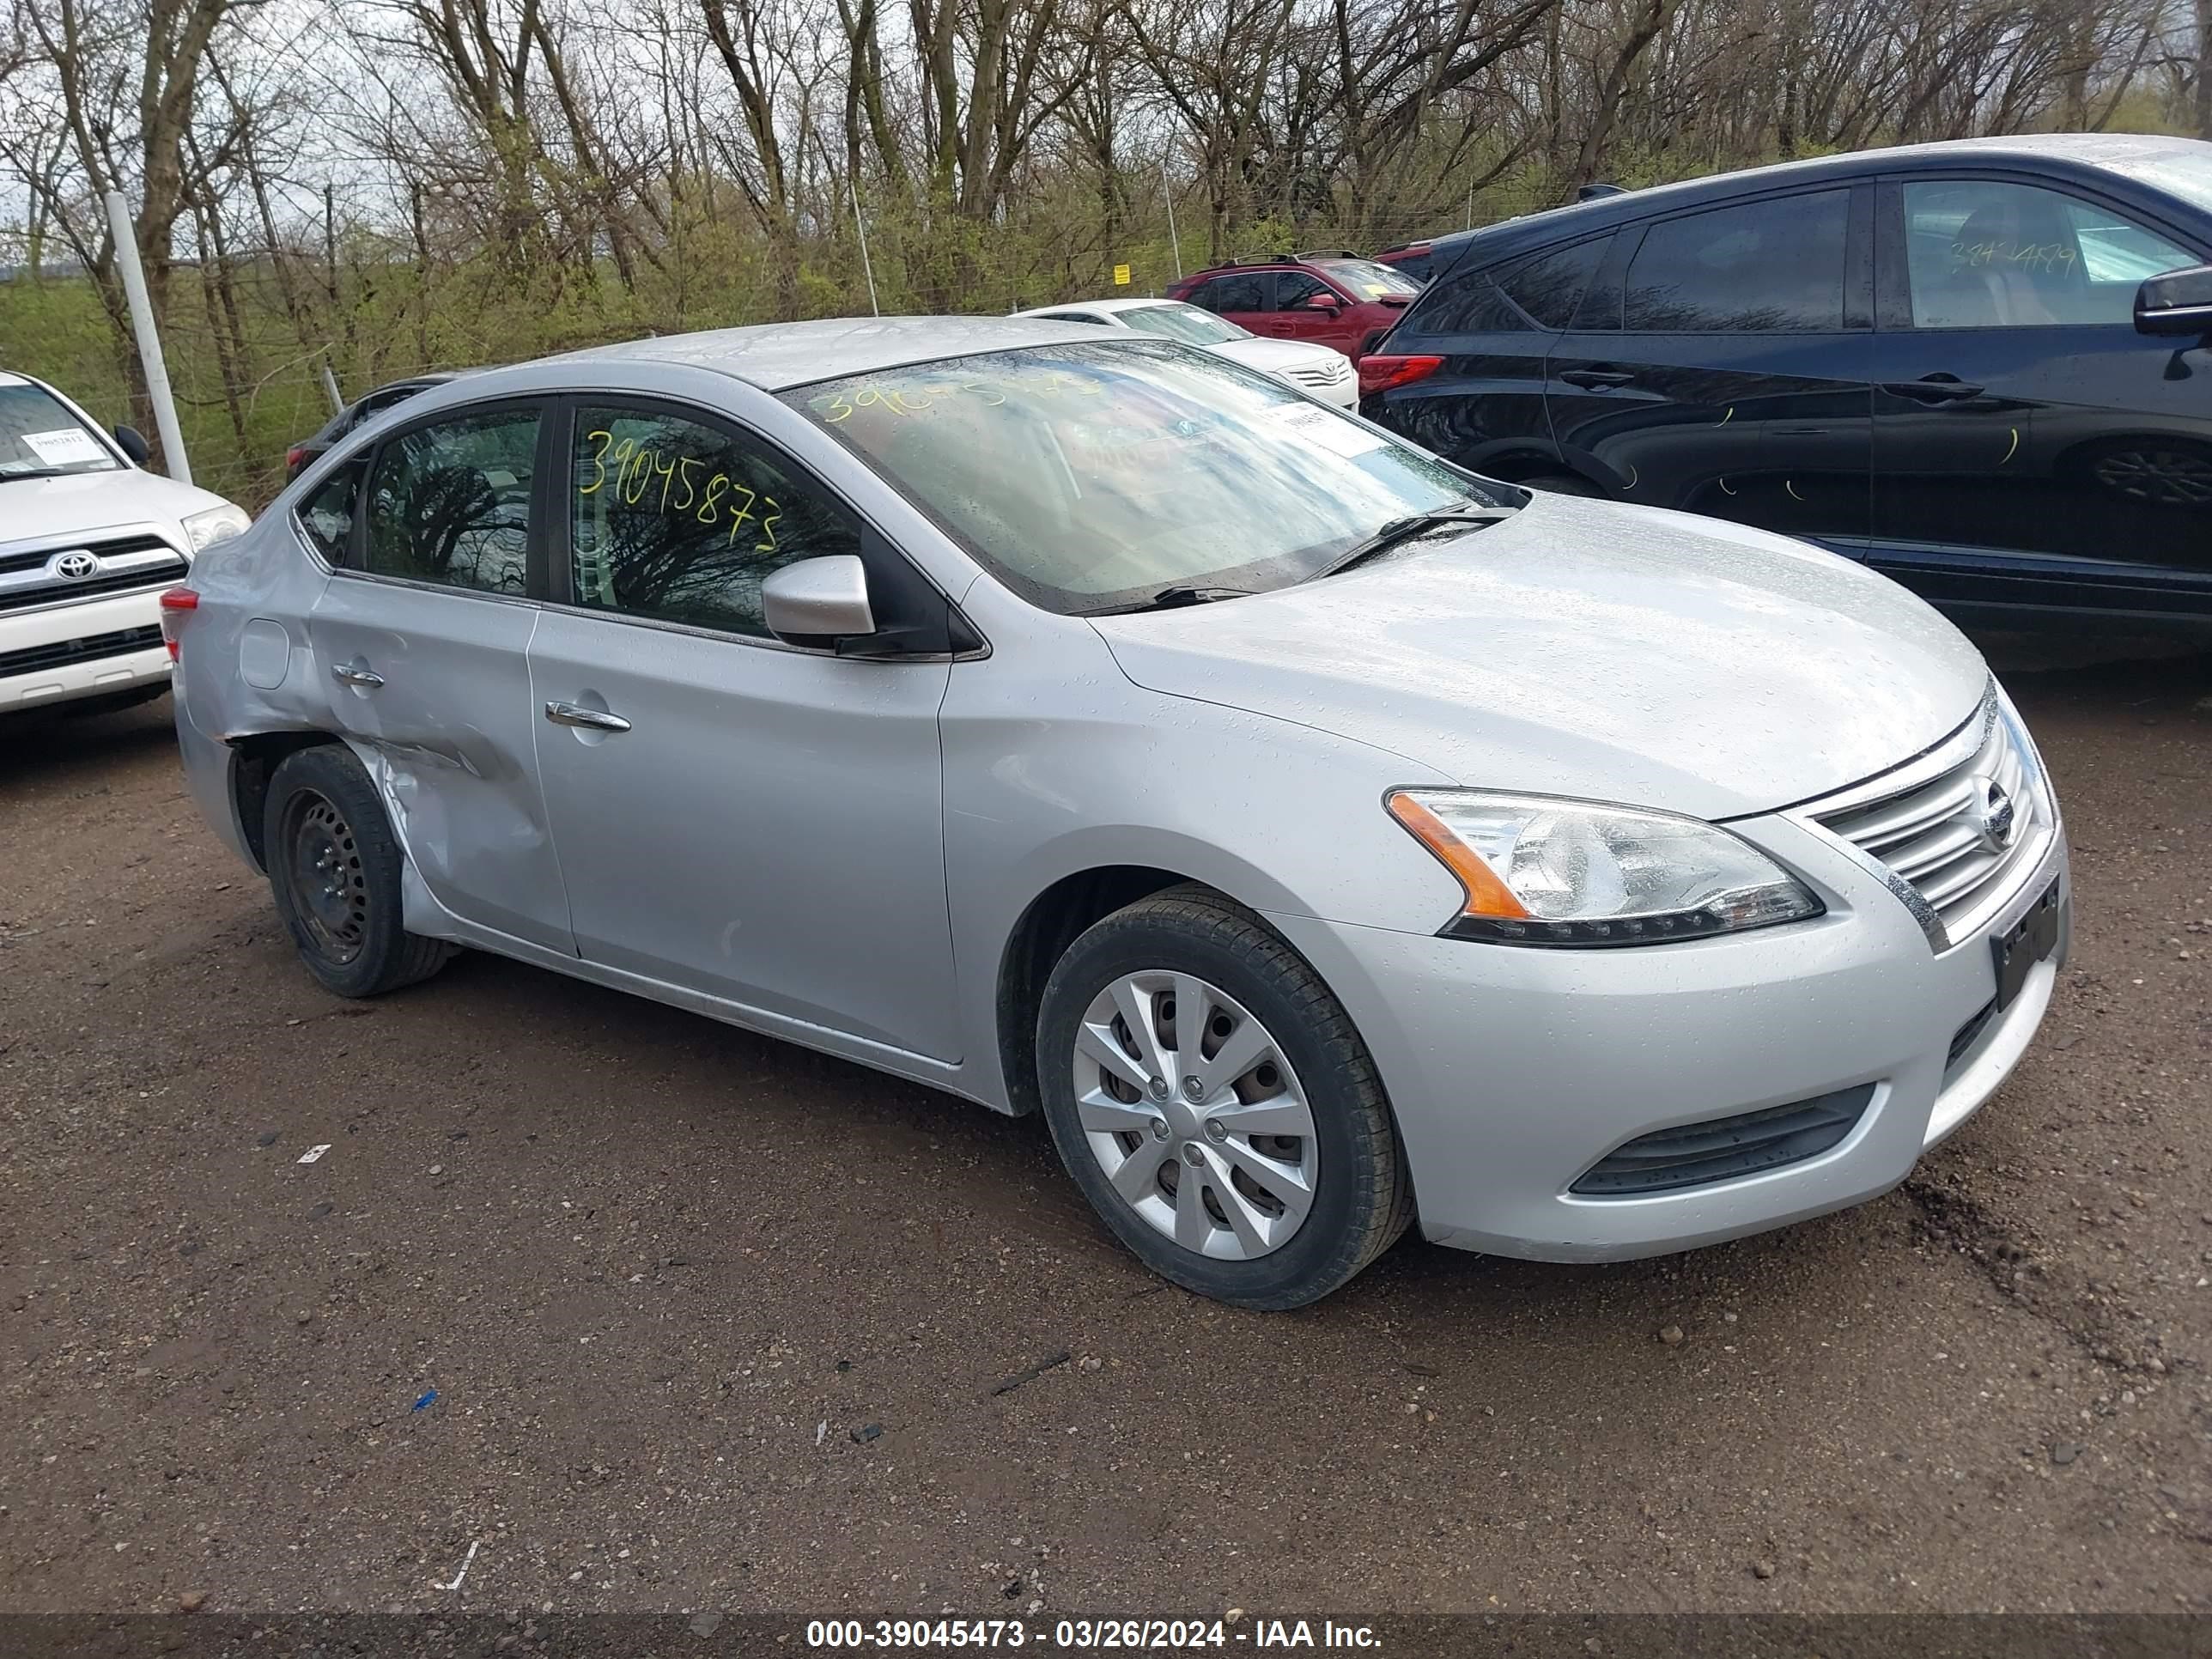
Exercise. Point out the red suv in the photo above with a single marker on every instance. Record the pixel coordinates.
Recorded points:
(1337, 300)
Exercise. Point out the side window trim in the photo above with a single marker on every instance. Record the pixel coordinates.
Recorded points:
(561, 547)
(1608, 283)
(357, 559)
(1892, 288)
(1858, 260)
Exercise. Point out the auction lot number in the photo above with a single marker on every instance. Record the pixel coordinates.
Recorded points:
(1087, 1633)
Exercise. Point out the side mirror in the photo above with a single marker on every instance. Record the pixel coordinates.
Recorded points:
(1325, 302)
(817, 601)
(133, 444)
(2178, 303)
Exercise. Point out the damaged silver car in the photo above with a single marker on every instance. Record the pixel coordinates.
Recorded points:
(1324, 837)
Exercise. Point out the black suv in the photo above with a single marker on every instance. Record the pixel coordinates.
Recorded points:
(1983, 368)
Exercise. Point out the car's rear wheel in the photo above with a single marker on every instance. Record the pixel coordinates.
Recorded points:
(1216, 1105)
(334, 868)
(2170, 474)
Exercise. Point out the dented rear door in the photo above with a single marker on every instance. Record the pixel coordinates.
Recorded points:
(425, 635)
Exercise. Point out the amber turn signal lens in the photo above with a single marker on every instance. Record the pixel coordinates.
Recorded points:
(1486, 895)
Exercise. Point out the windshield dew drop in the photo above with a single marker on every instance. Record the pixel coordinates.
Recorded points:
(1092, 476)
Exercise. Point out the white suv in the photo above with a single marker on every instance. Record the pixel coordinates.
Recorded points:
(87, 541)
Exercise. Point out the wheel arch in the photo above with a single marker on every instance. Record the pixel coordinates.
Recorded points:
(253, 761)
(1047, 924)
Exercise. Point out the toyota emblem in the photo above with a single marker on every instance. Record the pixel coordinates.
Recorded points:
(77, 565)
(1996, 819)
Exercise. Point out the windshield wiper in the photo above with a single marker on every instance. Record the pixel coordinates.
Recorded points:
(1169, 598)
(1405, 529)
(37, 472)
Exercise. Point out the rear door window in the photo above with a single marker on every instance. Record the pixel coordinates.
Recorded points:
(1775, 266)
(1242, 292)
(449, 502)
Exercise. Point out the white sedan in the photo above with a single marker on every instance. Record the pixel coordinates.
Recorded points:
(1320, 371)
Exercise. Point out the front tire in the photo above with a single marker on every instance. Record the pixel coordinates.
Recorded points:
(334, 868)
(1215, 1103)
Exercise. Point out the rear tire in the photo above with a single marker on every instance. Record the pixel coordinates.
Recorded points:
(334, 868)
(1563, 483)
(1267, 1185)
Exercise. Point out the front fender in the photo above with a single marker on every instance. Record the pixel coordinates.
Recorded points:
(1279, 816)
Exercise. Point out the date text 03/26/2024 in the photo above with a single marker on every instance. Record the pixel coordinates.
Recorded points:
(1090, 1634)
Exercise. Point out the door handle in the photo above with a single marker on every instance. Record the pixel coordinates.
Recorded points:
(1596, 379)
(1936, 389)
(591, 719)
(345, 674)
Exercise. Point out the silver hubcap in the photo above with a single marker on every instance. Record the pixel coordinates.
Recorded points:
(1195, 1115)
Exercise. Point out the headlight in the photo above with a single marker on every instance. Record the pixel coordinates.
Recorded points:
(1539, 872)
(216, 524)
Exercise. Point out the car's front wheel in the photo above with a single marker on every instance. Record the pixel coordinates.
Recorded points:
(334, 869)
(1215, 1102)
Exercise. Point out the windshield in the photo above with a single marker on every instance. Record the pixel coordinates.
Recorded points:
(38, 436)
(1369, 280)
(1185, 323)
(1091, 478)
(2185, 172)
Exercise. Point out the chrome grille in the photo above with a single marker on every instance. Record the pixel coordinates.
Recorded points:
(118, 564)
(1322, 373)
(1936, 824)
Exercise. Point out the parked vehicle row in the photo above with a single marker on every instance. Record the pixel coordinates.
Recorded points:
(1096, 725)
(1317, 369)
(1979, 368)
(1329, 824)
(1337, 300)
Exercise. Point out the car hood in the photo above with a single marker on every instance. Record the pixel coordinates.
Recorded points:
(1581, 648)
(1274, 356)
(84, 502)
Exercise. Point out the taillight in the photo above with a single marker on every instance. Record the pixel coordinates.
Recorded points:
(176, 604)
(1379, 372)
(294, 456)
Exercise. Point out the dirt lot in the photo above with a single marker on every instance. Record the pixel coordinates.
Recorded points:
(713, 1322)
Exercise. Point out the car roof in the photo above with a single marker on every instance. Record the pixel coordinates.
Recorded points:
(775, 356)
(1125, 302)
(2078, 155)
(1283, 262)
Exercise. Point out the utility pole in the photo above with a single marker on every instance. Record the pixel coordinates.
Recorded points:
(867, 268)
(149, 340)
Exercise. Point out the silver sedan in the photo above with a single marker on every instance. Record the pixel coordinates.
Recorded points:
(1321, 836)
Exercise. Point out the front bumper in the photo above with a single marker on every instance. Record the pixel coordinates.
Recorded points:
(1512, 1071)
(95, 625)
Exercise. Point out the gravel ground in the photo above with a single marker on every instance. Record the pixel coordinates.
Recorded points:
(715, 1323)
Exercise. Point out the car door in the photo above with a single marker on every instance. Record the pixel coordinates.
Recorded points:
(2031, 448)
(735, 816)
(1304, 307)
(1239, 295)
(424, 629)
(1717, 364)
